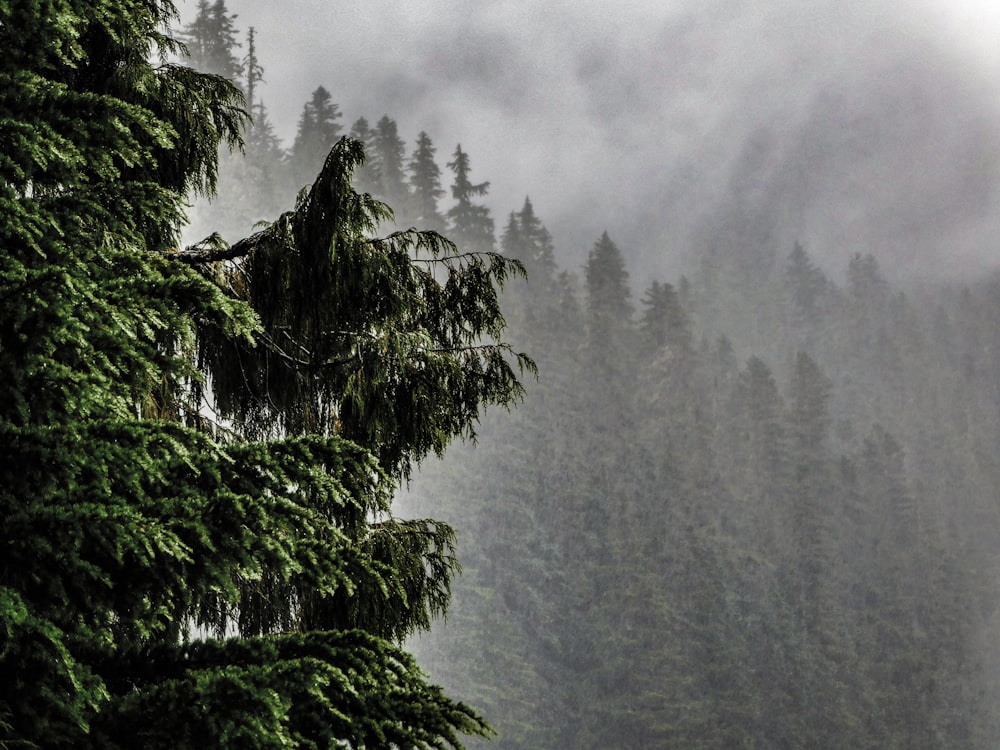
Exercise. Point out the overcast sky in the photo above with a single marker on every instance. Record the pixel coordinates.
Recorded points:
(852, 126)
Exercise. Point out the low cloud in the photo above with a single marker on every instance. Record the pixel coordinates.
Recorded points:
(850, 126)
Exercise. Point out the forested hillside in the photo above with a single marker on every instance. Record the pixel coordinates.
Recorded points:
(755, 506)
(759, 517)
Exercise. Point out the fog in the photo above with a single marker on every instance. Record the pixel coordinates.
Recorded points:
(751, 500)
(852, 126)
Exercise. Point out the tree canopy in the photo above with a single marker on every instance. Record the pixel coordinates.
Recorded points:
(199, 446)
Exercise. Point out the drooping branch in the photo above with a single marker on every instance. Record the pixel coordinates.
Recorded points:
(213, 248)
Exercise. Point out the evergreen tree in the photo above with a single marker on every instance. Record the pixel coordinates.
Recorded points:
(254, 72)
(534, 305)
(366, 176)
(211, 43)
(754, 454)
(807, 289)
(534, 247)
(425, 184)
(469, 224)
(665, 324)
(334, 360)
(607, 290)
(253, 182)
(388, 152)
(318, 130)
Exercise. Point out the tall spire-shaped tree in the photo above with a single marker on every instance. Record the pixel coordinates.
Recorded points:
(470, 224)
(211, 41)
(366, 175)
(335, 360)
(254, 70)
(607, 286)
(536, 250)
(425, 184)
(389, 154)
(319, 128)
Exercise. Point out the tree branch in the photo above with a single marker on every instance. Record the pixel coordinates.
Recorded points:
(213, 249)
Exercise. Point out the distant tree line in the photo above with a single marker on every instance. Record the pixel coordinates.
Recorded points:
(256, 181)
(778, 537)
(755, 508)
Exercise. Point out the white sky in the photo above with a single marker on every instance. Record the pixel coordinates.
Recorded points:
(643, 112)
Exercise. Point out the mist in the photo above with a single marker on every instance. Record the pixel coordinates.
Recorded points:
(751, 500)
(843, 125)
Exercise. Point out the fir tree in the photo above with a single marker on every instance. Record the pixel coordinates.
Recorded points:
(807, 288)
(254, 71)
(365, 176)
(470, 224)
(607, 287)
(387, 154)
(530, 242)
(425, 184)
(211, 41)
(335, 360)
(318, 130)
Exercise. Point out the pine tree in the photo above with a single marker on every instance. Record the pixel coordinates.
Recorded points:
(754, 453)
(388, 152)
(133, 523)
(211, 41)
(366, 176)
(425, 184)
(254, 71)
(469, 224)
(534, 247)
(607, 290)
(665, 324)
(253, 182)
(318, 130)
(807, 289)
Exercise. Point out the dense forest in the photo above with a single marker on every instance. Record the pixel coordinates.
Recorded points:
(754, 506)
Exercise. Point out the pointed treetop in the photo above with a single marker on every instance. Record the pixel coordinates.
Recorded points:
(318, 130)
(254, 70)
(607, 280)
(211, 41)
(471, 225)
(425, 184)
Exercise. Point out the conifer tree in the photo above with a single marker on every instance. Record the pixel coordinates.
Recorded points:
(469, 224)
(318, 130)
(366, 176)
(388, 153)
(665, 323)
(607, 288)
(807, 288)
(211, 41)
(534, 246)
(254, 71)
(425, 184)
(333, 359)
(254, 182)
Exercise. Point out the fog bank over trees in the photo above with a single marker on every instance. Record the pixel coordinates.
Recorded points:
(752, 499)
(845, 125)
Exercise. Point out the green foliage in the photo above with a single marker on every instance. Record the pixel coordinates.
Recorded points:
(388, 156)
(379, 341)
(204, 442)
(315, 689)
